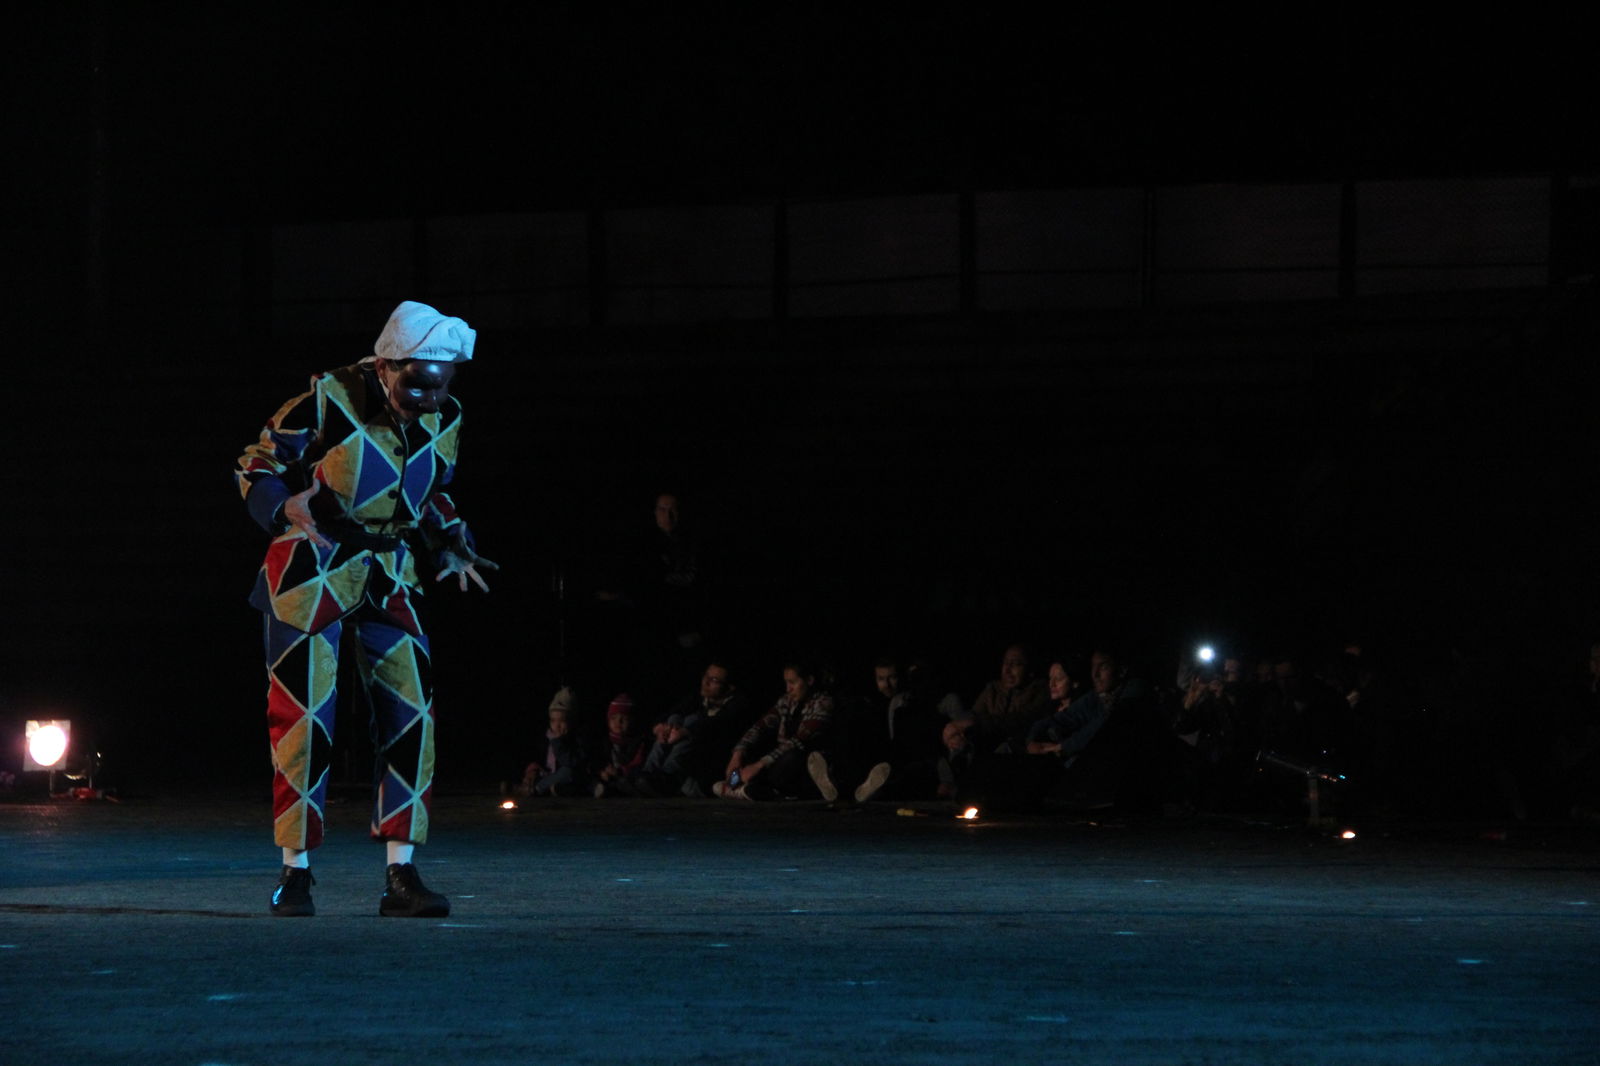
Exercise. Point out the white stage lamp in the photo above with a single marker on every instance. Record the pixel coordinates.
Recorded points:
(46, 744)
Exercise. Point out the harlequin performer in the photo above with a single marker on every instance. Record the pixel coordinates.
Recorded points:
(348, 478)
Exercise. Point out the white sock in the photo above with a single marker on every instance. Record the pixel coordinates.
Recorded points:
(400, 851)
(297, 858)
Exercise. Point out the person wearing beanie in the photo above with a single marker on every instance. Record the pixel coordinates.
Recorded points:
(624, 749)
(349, 480)
(561, 766)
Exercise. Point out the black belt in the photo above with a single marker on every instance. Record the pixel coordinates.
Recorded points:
(347, 532)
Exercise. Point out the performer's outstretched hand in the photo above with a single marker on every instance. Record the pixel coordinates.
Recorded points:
(463, 562)
(297, 509)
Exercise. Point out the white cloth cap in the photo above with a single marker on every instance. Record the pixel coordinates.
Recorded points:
(417, 331)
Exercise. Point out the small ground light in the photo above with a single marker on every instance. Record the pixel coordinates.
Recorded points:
(508, 805)
(1348, 834)
(47, 744)
(969, 814)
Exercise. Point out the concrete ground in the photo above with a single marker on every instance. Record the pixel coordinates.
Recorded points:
(622, 931)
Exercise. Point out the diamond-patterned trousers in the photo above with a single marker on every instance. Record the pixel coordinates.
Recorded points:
(302, 682)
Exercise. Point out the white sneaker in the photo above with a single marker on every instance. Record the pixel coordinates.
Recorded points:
(817, 766)
(876, 778)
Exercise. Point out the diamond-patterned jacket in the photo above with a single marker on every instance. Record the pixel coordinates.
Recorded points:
(377, 474)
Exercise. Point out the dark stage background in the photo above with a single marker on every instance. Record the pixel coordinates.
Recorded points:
(1408, 468)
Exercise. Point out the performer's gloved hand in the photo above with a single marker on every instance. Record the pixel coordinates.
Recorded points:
(297, 509)
(459, 559)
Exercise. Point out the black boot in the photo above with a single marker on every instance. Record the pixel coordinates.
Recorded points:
(292, 897)
(405, 896)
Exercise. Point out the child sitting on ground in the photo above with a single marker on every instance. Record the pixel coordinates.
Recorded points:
(559, 769)
(624, 750)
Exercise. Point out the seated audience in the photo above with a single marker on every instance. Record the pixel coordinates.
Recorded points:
(769, 761)
(1206, 761)
(559, 770)
(624, 751)
(665, 770)
(1062, 684)
(920, 758)
(711, 721)
(861, 739)
(1006, 708)
(1105, 742)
